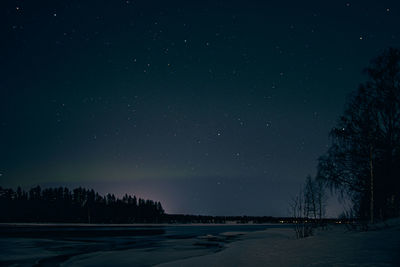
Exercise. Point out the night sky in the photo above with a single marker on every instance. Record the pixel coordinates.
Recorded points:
(211, 107)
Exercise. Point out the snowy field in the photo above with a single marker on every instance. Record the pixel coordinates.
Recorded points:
(197, 245)
(333, 247)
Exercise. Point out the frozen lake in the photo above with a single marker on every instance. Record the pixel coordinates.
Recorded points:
(139, 245)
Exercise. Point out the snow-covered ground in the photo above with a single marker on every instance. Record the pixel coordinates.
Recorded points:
(212, 246)
(333, 247)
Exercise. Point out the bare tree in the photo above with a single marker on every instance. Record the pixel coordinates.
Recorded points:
(363, 158)
(306, 206)
(320, 198)
(310, 198)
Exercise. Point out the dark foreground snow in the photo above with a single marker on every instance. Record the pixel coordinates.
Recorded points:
(333, 247)
(202, 246)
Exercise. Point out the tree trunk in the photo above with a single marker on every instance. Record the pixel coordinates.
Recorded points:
(372, 186)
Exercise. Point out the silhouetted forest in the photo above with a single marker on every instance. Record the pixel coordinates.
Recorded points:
(77, 206)
(80, 205)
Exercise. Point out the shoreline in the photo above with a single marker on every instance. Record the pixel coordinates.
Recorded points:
(137, 224)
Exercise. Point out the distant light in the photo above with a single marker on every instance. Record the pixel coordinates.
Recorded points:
(361, 37)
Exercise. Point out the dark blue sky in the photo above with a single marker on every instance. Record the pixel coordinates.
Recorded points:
(211, 107)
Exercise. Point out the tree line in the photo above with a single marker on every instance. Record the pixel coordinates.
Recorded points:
(185, 218)
(79, 205)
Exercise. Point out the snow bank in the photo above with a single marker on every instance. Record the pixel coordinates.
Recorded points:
(333, 247)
